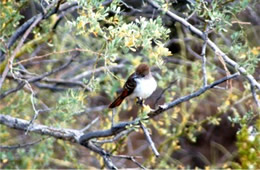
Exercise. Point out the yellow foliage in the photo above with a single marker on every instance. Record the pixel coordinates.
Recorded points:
(256, 50)
(227, 103)
(146, 109)
(5, 161)
(136, 61)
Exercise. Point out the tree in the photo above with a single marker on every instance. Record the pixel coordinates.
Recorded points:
(62, 62)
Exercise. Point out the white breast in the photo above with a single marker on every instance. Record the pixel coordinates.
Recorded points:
(144, 87)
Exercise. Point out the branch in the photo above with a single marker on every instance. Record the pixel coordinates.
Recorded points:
(163, 91)
(190, 96)
(132, 158)
(118, 136)
(149, 139)
(91, 109)
(21, 145)
(88, 73)
(59, 133)
(203, 54)
(71, 135)
(38, 78)
(18, 47)
(25, 30)
(89, 125)
(123, 125)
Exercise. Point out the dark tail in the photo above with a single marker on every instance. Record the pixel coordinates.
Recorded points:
(117, 102)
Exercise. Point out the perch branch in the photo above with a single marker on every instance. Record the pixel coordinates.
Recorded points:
(117, 128)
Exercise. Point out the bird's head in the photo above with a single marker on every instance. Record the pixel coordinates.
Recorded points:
(142, 70)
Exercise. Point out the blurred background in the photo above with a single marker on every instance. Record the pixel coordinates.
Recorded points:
(96, 46)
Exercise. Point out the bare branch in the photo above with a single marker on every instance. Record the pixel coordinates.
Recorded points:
(90, 124)
(118, 136)
(88, 73)
(51, 87)
(59, 133)
(10, 63)
(149, 139)
(190, 96)
(37, 78)
(163, 91)
(203, 54)
(92, 109)
(65, 82)
(132, 158)
(254, 95)
(102, 152)
(21, 145)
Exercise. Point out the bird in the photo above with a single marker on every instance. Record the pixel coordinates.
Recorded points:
(140, 84)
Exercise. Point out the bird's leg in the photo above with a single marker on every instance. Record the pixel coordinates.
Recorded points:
(113, 117)
(140, 101)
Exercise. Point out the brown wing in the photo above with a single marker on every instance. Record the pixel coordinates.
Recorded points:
(130, 85)
(127, 90)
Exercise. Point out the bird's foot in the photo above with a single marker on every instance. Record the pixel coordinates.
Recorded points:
(140, 101)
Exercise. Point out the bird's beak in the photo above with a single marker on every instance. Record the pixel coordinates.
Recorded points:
(135, 76)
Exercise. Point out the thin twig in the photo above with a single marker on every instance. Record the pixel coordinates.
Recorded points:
(21, 145)
(191, 15)
(132, 158)
(41, 77)
(88, 73)
(10, 63)
(163, 91)
(91, 109)
(101, 152)
(203, 54)
(149, 139)
(56, 52)
(51, 87)
(90, 124)
(66, 82)
(113, 116)
(254, 95)
(37, 78)
(118, 136)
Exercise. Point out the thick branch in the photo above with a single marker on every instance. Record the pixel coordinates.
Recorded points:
(59, 133)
